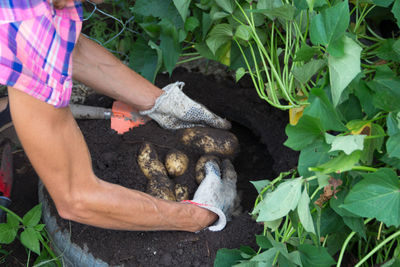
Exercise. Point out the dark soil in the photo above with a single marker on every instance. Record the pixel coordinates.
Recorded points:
(260, 130)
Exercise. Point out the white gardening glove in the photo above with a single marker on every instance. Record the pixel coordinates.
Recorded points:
(175, 110)
(216, 194)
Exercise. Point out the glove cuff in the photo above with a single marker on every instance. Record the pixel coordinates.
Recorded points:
(166, 94)
(220, 223)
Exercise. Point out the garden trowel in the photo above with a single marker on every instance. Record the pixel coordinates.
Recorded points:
(6, 178)
(123, 117)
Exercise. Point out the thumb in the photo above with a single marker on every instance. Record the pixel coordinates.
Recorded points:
(228, 171)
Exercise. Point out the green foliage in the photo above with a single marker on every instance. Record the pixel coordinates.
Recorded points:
(345, 194)
(321, 56)
(30, 233)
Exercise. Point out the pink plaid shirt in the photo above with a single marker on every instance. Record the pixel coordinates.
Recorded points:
(36, 44)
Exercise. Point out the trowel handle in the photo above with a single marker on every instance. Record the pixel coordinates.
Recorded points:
(88, 112)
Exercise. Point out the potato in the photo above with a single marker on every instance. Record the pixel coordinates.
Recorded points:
(210, 141)
(176, 162)
(181, 192)
(199, 169)
(161, 187)
(159, 184)
(149, 163)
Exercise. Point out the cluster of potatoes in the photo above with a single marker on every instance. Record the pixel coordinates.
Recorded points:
(211, 143)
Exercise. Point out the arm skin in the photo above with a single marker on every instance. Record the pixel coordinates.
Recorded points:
(56, 148)
(94, 66)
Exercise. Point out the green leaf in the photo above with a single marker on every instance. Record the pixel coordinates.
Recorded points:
(247, 251)
(219, 15)
(30, 239)
(305, 132)
(364, 95)
(305, 72)
(336, 202)
(395, 262)
(342, 70)
(227, 257)
(312, 256)
(393, 123)
(348, 143)
(243, 32)
(370, 145)
(12, 221)
(7, 233)
(278, 203)
(392, 146)
(39, 227)
(183, 7)
(260, 185)
(191, 24)
(159, 8)
(169, 45)
(394, 162)
(386, 86)
(295, 257)
(321, 107)
(312, 155)
(356, 225)
(269, 4)
(263, 242)
(387, 50)
(240, 72)
(144, 59)
(303, 210)
(33, 216)
(273, 225)
(267, 257)
(305, 53)
(330, 25)
(350, 108)
(218, 36)
(396, 11)
(285, 12)
(323, 179)
(376, 196)
(227, 5)
(340, 163)
(331, 222)
(382, 3)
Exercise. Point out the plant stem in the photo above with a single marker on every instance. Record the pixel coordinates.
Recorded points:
(12, 213)
(189, 60)
(346, 242)
(396, 234)
(364, 168)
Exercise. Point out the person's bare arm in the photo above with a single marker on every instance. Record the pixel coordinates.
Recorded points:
(59, 4)
(57, 150)
(94, 66)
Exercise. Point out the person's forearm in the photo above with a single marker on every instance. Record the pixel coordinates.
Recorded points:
(57, 150)
(94, 66)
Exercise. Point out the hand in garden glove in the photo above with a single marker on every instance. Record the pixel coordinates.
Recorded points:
(174, 110)
(216, 194)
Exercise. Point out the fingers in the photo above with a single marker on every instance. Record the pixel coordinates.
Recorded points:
(228, 171)
(59, 4)
(211, 119)
(211, 167)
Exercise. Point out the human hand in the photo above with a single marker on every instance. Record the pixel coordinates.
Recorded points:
(216, 194)
(60, 4)
(174, 110)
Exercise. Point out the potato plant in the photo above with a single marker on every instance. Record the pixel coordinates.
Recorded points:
(331, 64)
